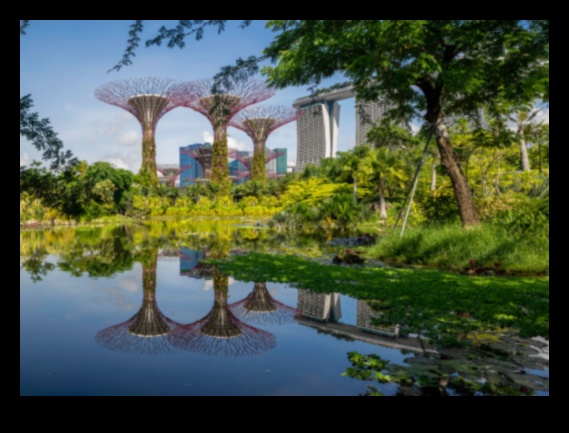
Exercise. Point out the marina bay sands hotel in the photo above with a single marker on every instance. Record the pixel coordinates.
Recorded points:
(317, 127)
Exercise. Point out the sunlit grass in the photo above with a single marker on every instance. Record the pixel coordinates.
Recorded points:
(451, 247)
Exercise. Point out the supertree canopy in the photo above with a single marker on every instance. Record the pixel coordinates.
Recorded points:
(260, 308)
(220, 333)
(258, 123)
(148, 99)
(220, 106)
(146, 331)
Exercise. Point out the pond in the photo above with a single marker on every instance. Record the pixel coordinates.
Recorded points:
(134, 311)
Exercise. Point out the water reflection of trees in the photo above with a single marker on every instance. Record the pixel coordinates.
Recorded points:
(103, 251)
(146, 331)
(220, 332)
(260, 308)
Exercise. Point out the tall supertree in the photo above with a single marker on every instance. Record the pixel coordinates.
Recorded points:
(260, 308)
(146, 331)
(148, 99)
(258, 123)
(220, 333)
(220, 106)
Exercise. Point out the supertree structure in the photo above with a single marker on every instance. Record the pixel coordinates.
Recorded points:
(146, 331)
(220, 333)
(147, 99)
(220, 106)
(171, 172)
(203, 155)
(260, 308)
(247, 162)
(258, 123)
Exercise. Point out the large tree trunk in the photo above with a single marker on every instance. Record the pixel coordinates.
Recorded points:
(468, 214)
(382, 208)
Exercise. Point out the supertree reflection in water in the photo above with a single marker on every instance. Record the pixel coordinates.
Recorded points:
(146, 331)
(260, 308)
(220, 332)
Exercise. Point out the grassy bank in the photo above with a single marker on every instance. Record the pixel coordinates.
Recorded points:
(452, 248)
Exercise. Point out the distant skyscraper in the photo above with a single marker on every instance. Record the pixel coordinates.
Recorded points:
(238, 171)
(317, 133)
(281, 160)
(367, 114)
(324, 307)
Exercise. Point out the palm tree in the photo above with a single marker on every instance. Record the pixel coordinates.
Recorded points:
(522, 119)
(350, 164)
(384, 165)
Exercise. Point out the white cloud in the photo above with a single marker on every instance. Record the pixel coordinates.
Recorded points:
(543, 116)
(231, 142)
(129, 138)
(128, 284)
(128, 161)
(118, 163)
(24, 159)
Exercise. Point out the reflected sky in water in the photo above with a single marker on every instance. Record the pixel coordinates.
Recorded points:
(61, 316)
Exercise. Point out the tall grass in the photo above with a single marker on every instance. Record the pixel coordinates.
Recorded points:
(449, 246)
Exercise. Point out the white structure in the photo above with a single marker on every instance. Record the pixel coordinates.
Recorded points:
(317, 126)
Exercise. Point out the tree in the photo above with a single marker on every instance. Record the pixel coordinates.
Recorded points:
(522, 118)
(384, 165)
(431, 68)
(350, 164)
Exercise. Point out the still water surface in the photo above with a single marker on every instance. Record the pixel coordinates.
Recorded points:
(107, 317)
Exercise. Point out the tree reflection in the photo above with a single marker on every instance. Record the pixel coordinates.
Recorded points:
(220, 332)
(146, 331)
(260, 308)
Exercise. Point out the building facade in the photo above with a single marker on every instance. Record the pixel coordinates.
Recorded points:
(190, 168)
(317, 133)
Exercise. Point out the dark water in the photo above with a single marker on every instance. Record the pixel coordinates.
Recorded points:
(114, 312)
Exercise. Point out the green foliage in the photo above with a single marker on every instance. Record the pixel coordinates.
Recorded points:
(439, 205)
(42, 136)
(426, 302)
(449, 247)
(79, 192)
(530, 220)
(219, 168)
(367, 368)
(309, 192)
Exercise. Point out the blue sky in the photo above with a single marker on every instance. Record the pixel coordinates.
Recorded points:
(63, 62)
